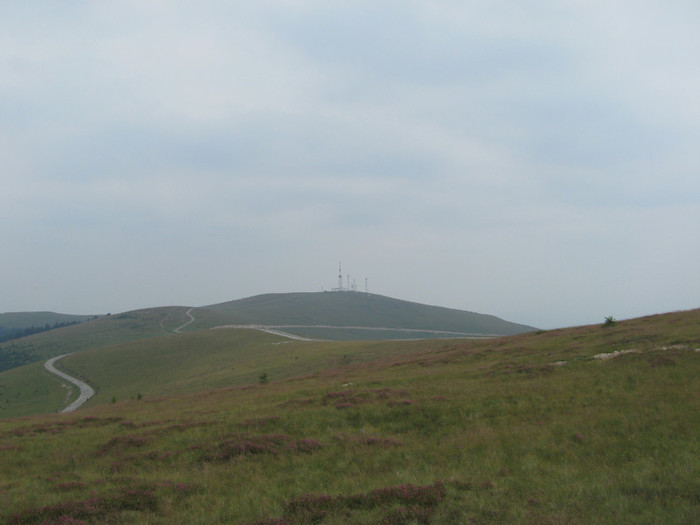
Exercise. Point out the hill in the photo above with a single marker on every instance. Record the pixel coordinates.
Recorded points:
(14, 325)
(184, 363)
(308, 313)
(110, 329)
(19, 320)
(333, 316)
(563, 426)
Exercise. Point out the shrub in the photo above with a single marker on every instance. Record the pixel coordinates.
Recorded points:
(420, 501)
(609, 321)
(271, 444)
(93, 508)
(307, 445)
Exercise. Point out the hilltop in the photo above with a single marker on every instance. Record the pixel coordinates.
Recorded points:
(313, 313)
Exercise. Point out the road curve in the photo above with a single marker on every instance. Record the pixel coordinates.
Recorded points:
(283, 334)
(188, 314)
(86, 391)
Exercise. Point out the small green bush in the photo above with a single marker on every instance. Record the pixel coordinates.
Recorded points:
(609, 321)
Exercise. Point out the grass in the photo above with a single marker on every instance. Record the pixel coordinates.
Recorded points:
(188, 362)
(103, 331)
(448, 432)
(30, 319)
(211, 359)
(334, 309)
(359, 309)
(32, 390)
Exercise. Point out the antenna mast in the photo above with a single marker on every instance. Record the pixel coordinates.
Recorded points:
(340, 278)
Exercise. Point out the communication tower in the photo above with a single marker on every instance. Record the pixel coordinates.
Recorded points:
(347, 284)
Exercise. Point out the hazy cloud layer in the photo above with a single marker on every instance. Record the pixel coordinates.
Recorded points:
(538, 162)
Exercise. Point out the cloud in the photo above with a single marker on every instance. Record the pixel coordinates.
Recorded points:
(534, 161)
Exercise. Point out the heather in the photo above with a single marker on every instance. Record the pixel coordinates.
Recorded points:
(533, 428)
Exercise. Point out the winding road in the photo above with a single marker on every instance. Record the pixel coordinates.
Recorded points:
(188, 314)
(86, 391)
(276, 329)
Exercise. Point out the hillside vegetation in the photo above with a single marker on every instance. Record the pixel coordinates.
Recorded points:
(18, 320)
(111, 329)
(182, 363)
(334, 316)
(348, 309)
(23, 324)
(590, 424)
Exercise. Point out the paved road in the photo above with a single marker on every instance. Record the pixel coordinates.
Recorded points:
(276, 329)
(283, 334)
(269, 329)
(188, 314)
(86, 392)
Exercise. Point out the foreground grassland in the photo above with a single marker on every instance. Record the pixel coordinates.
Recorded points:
(525, 429)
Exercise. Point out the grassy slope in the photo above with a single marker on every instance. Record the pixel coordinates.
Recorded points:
(463, 431)
(181, 363)
(359, 309)
(106, 330)
(30, 319)
(211, 359)
(32, 390)
(341, 309)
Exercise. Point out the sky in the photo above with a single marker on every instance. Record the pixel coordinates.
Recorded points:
(538, 161)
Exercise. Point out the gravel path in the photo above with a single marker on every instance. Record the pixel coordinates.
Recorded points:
(86, 391)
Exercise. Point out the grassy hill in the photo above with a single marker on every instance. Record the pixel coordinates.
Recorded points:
(182, 363)
(23, 324)
(334, 316)
(347, 309)
(564, 426)
(110, 329)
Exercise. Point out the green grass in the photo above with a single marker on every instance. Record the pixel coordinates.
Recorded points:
(360, 309)
(189, 362)
(210, 359)
(32, 390)
(112, 329)
(438, 432)
(332, 309)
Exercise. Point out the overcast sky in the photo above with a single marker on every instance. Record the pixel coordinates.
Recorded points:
(538, 161)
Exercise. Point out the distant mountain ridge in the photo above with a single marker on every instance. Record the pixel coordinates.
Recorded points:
(357, 309)
(17, 320)
(15, 325)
